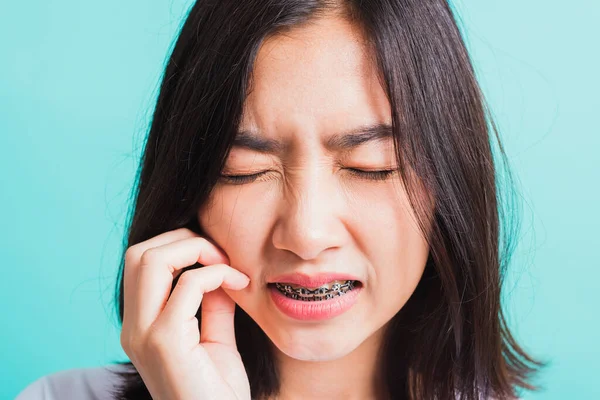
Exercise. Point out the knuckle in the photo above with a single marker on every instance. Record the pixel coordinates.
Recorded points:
(132, 254)
(150, 256)
(206, 246)
(133, 342)
(156, 339)
(125, 341)
(187, 279)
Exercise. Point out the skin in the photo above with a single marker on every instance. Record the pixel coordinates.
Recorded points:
(309, 213)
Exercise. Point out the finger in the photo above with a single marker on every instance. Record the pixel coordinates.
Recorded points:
(218, 311)
(187, 295)
(156, 269)
(132, 261)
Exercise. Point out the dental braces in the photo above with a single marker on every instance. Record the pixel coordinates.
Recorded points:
(336, 289)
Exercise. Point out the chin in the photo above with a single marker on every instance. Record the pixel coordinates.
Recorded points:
(315, 343)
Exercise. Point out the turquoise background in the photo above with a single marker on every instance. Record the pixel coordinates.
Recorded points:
(77, 85)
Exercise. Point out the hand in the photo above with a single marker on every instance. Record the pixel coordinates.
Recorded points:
(160, 333)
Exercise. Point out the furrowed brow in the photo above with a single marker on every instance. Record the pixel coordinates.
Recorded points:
(348, 140)
(343, 141)
(252, 141)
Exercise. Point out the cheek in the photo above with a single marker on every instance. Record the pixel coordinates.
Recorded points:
(237, 220)
(395, 248)
(398, 272)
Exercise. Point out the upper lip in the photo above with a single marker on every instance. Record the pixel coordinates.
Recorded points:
(313, 280)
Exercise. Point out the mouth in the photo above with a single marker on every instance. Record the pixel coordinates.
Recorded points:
(327, 291)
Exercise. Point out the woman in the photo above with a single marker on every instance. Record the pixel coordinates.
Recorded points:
(316, 214)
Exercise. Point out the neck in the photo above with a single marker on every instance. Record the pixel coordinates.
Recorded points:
(354, 376)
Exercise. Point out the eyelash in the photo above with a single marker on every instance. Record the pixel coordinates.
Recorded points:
(371, 175)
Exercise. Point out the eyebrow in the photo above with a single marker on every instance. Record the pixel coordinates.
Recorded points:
(343, 141)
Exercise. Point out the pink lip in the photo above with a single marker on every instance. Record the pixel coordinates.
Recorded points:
(313, 281)
(314, 310)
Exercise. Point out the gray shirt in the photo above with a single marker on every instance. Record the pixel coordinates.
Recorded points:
(95, 383)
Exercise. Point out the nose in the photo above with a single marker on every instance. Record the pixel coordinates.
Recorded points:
(311, 218)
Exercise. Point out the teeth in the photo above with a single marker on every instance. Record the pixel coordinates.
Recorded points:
(329, 285)
(333, 288)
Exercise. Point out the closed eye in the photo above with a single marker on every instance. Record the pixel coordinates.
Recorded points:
(371, 175)
(241, 179)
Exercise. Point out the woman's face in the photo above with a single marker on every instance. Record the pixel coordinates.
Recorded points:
(309, 214)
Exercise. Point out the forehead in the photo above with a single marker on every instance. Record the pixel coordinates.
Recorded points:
(313, 80)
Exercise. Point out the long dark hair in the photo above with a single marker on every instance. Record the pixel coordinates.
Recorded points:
(451, 339)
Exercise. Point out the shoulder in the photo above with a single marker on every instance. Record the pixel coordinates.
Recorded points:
(94, 383)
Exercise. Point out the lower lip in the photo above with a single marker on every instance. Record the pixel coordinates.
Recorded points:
(314, 310)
